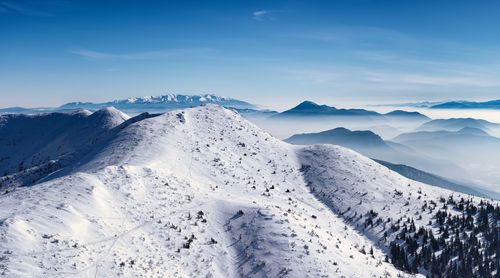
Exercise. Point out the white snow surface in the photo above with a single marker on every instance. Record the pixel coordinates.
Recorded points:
(248, 204)
(36, 145)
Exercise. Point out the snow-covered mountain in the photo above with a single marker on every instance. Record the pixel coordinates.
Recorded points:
(34, 146)
(169, 101)
(137, 105)
(202, 192)
(428, 178)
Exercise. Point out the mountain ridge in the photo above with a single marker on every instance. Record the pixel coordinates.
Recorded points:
(407, 114)
(37, 145)
(153, 104)
(310, 108)
(165, 101)
(428, 178)
(202, 191)
(455, 124)
(463, 104)
(372, 145)
(341, 136)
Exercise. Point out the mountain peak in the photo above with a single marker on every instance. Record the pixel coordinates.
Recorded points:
(307, 104)
(310, 106)
(407, 114)
(311, 109)
(109, 117)
(82, 112)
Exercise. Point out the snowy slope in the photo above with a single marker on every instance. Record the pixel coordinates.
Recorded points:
(33, 146)
(202, 192)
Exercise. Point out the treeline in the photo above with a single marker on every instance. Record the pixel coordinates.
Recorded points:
(462, 240)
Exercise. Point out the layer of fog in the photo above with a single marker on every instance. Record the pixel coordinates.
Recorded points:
(472, 160)
(490, 115)
(284, 128)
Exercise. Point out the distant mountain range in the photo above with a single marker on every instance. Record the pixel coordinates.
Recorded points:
(421, 104)
(446, 137)
(492, 104)
(459, 154)
(372, 145)
(311, 109)
(472, 148)
(142, 104)
(340, 136)
(163, 102)
(455, 124)
(406, 115)
(452, 104)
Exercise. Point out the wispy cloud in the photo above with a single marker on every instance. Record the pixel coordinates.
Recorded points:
(22, 8)
(262, 15)
(365, 35)
(448, 79)
(388, 60)
(144, 55)
(457, 78)
(387, 45)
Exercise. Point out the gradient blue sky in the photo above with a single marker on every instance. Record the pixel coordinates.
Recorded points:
(274, 53)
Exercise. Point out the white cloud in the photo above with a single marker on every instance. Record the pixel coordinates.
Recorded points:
(144, 55)
(262, 15)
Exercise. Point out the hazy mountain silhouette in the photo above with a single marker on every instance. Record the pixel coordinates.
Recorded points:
(492, 104)
(312, 109)
(372, 145)
(455, 124)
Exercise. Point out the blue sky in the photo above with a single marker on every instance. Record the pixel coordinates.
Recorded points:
(274, 53)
